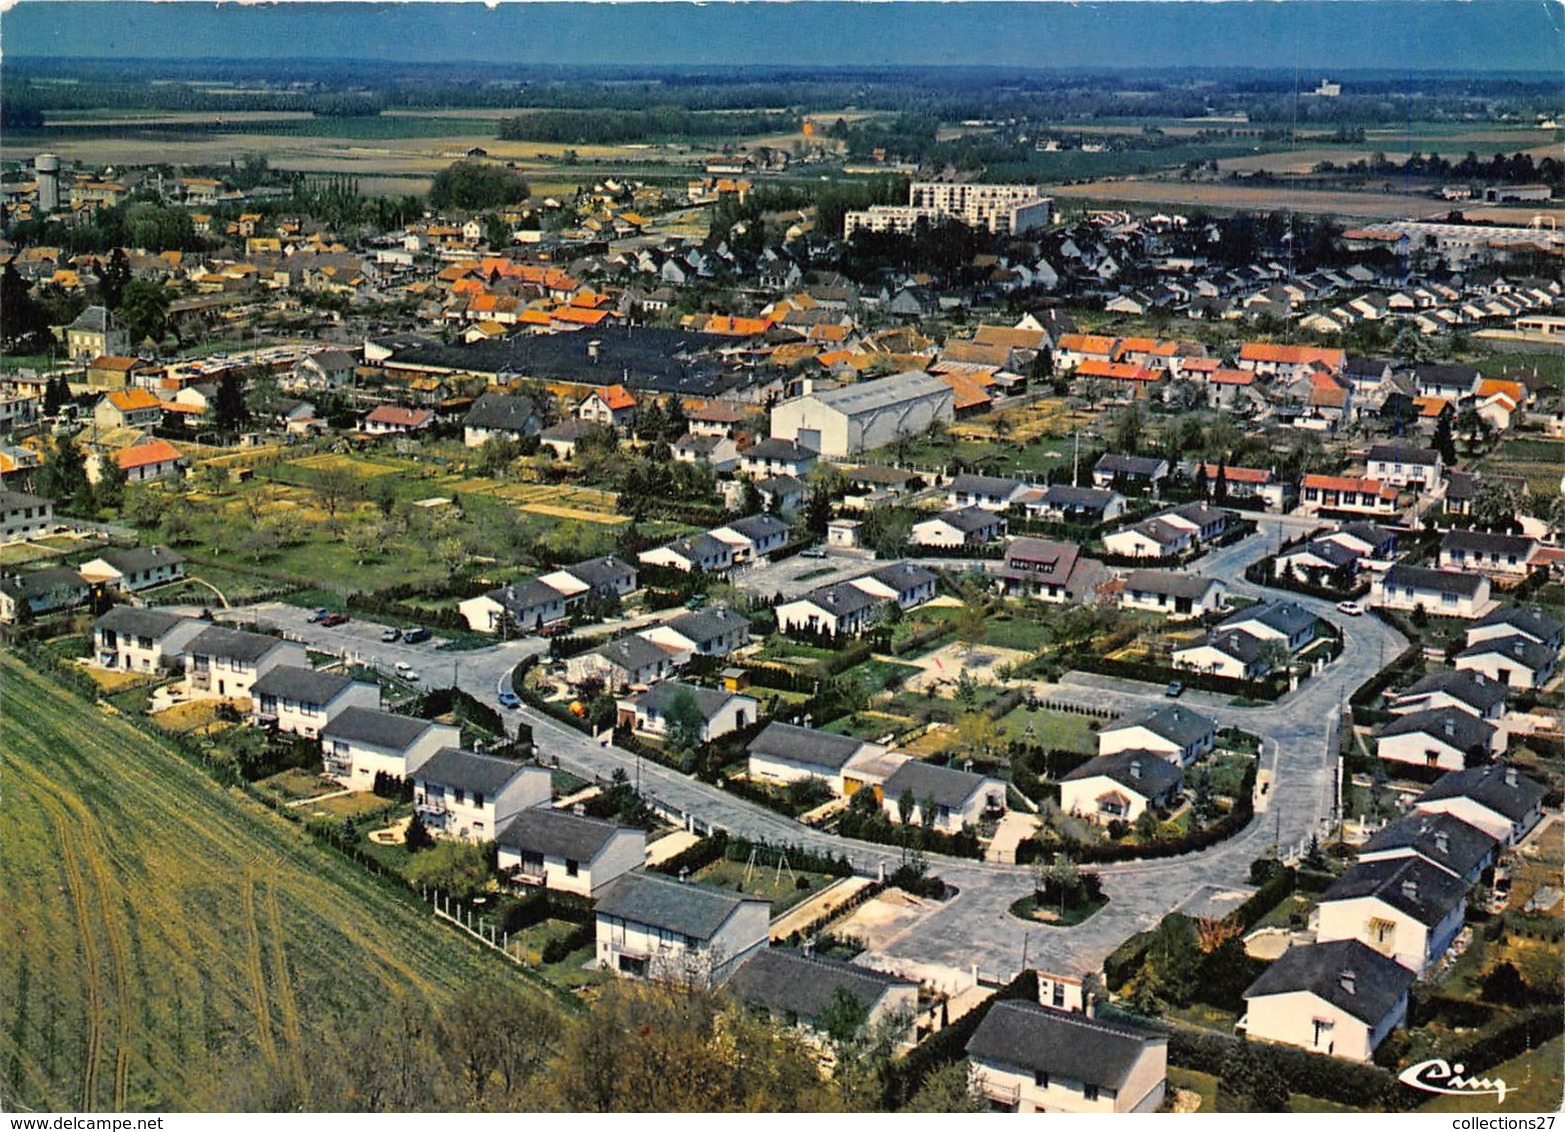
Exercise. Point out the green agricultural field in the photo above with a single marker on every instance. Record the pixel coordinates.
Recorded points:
(161, 928)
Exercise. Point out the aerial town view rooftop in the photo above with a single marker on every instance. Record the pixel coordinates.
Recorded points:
(782, 557)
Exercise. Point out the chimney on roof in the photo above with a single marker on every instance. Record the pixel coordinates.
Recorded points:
(1449, 727)
(1442, 842)
(1348, 979)
(1510, 776)
(592, 350)
(1135, 768)
(1410, 889)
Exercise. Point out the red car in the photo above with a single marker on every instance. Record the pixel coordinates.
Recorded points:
(332, 620)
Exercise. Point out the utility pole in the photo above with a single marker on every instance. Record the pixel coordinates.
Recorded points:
(1076, 462)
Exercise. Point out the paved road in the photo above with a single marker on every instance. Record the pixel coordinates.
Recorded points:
(974, 928)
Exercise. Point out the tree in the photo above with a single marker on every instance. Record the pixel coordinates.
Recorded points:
(476, 186)
(113, 278)
(109, 491)
(62, 476)
(259, 541)
(972, 622)
(416, 836)
(336, 485)
(1220, 488)
(1445, 441)
(949, 1088)
(143, 311)
(684, 719)
(1248, 1083)
(24, 324)
(1126, 431)
(229, 411)
(906, 804)
(497, 233)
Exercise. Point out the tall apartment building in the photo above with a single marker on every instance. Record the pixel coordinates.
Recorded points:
(1001, 209)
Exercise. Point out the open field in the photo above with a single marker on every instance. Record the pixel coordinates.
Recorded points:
(1187, 194)
(161, 929)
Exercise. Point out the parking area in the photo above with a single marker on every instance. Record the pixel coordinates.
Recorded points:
(798, 574)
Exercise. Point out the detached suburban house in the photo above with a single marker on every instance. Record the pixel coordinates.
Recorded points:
(697, 553)
(1502, 556)
(1405, 909)
(1512, 662)
(500, 416)
(707, 632)
(1030, 1058)
(753, 539)
(1048, 571)
(1150, 538)
(1174, 733)
(1172, 592)
(301, 701)
(566, 852)
(461, 794)
(968, 527)
(1445, 738)
(1406, 466)
(801, 989)
(653, 927)
(1523, 621)
(1231, 653)
(719, 712)
(784, 752)
(905, 583)
(1472, 692)
(521, 606)
(225, 663)
(992, 493)
(389, 420)
(143, 640)
(1442, 592)
(1120, 787)
(1444, 840)
(134, 569)
(1285, 622)
(1142, 473)
(24, 516)
(1499, 800)
(603, 577)
(840, 610)
(362, 741)
(622, 663)
(957, 797)
(1339, 998)
(1063, 503)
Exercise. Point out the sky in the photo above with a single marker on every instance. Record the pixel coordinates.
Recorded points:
(1313, 35)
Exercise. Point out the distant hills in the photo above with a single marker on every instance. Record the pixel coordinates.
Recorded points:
(1325, 36)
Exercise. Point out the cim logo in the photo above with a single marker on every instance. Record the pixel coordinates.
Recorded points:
(1438, 1076)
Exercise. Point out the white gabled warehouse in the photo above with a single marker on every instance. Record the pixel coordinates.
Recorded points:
(864, 416)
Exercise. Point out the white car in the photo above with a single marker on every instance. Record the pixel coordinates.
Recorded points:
(1351, 608)
(405, 670)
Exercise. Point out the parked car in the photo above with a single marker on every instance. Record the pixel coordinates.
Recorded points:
(1351, 608)
(405, 670)
(509, 699)
(413, 634)
(1174, 690)
(332, 620)
(812, 552)
(319, 615)
(696, 602)
(389, 635)
(556, 629)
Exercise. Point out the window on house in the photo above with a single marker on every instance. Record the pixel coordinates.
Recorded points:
(459, 796)
(1089, 1092)
(478, 799)
(1323, 1028)
(1040, 1078)
(572, 868)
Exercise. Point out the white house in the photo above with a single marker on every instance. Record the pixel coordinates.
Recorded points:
(864, 416)
(777, 457)
(1512, 662)
(1172, 592)
(500, 416)
(1063, 503)
(719, 453)
(24, 516)
(360, 742)
(567, 852)
(838, 610)
(613, 405)
(519, 607)
(801, 989)
(970, 526)
(1479, 552)
(1524, 621)
(720, 712)
(1472, 692)
(1444, 840)
(1405, 909)
(1405, 465)
(654, 927)
(1232, 653)
(707, 632)
(992, 493)
(1498, 799)
(1339, 998)
(1174, 733)
(907, 584)
(959, 798)
(784, 752)
(134, 569)
(1142, 472)
(1150, 538)
(143, 640)
(226, 663)
(1031, 1058)
(1120, 786)
(301, 701)
(701, 553)
(1444, 738)
(1442, 592)
(753, 538)
(625, 662)
(462, 794)
(604, 577)
(1047, 570)
(1285, 622)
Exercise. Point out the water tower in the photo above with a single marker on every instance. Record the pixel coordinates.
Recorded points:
(47, 168)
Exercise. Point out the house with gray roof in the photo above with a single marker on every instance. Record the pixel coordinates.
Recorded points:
(1404, 908)
(361, 742)
(714, 631)
(783, 494)
(132, 639)
(719, 453)
(1472, 692)
(1340, 999)
(603, 577)
(1172, 592)
(135, 568)
(301, 701)
(24, 516)
(753, 538)
(1065, 503)
(1150, 538)
(1286, 622)
(622, 663)
(655, 927)
(567, 852)
(1174, 732)
(1118, 472)
(840, 610)
(1498, 799)
(1518, 620)
(463, 794)
(693, 554)
(1480, 552)
(719, 712)
(992, 493)
(786, 752)
(520, 607)
(1446, 593)
(223, 663)
(35, 592)
(777, 457)
(1515, 661)
(802, 989)
(906, 583)
(1031, 1058)
(966, 527)
(1444, 840)
(957, 798)
(1121, 786)
(1445, 738)
(1232, 653)
(500, 416)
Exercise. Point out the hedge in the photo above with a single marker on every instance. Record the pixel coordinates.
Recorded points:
(1426, 1005)
(1160, 674)
(1265, 898)
(579, 936)
(815, 926)
(1406, 662)
(1314, 1074)
(1522, 1033)
(905, 1077)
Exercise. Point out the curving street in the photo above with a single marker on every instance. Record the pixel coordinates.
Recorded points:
(975, 929)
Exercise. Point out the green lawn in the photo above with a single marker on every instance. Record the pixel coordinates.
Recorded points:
(869, 725)
(1192, 1080)
(763, 880)
(875, 676)
(1535, 1079)
(1029, 909)
(1052, 730)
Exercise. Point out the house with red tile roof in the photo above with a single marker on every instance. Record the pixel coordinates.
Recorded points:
(386, 420)
(613, 406)
(1268, 359)
(152, 460)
